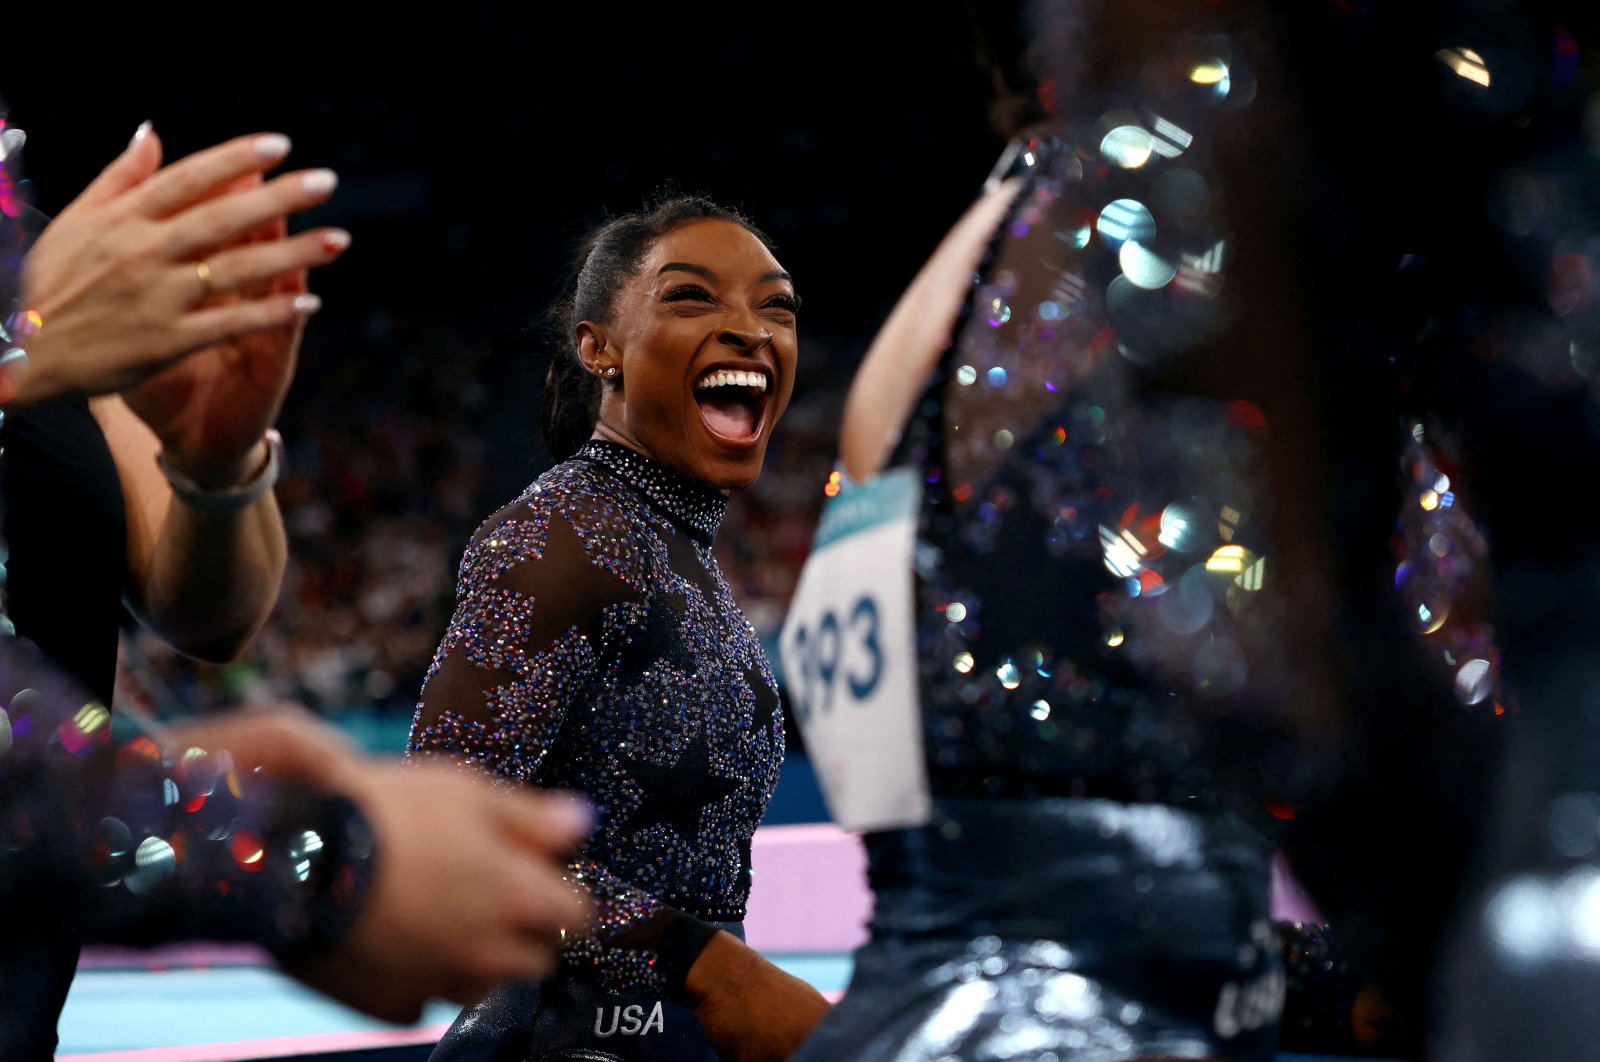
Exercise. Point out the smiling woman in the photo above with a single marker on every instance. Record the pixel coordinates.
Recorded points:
(596, 647)
(703, 344)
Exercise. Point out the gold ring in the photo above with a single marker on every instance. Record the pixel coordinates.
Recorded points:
(203, 271)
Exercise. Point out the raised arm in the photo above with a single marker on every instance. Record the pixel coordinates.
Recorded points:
(907, 347)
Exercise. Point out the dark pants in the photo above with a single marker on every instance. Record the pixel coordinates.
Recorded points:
(34, 979)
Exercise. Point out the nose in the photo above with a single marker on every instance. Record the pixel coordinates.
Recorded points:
(745, 340)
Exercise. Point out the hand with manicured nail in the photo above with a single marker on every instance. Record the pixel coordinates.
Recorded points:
(151, 263)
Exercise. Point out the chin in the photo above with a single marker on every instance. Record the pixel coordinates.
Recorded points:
(731, 473)
(734, 480)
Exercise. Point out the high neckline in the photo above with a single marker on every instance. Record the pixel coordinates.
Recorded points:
(689, 502)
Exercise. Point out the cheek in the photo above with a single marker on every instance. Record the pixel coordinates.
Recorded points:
(655, 401)
(660, 395)
(789, 361)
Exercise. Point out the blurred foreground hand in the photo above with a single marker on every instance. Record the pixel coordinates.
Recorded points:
(468, 886)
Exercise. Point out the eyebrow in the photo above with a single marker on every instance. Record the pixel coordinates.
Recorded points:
(702, 271)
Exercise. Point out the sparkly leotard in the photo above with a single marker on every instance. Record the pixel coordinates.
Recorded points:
(596, 647)
(1104, 632)
(1087, 570)
(1095, 629)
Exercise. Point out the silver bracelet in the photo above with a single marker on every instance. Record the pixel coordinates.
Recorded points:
(228, 499)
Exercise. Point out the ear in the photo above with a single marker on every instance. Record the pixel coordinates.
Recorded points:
(591, 346)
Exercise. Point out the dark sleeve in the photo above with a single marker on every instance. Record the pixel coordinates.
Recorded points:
(133, 844)
(1332, 1006)
(543, 603)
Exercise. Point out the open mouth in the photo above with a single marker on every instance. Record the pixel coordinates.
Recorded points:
(733, 403)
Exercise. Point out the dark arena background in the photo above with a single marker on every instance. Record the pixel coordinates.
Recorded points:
(475, 142)
(474, 145)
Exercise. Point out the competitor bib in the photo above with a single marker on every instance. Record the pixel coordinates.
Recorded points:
(848, 653)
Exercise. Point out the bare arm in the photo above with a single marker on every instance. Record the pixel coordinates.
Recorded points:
(204, 581)
(751, 1009)
(907, 347)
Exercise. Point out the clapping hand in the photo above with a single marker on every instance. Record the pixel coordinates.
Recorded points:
(152, 263)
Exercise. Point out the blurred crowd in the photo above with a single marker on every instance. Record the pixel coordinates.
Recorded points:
(402, 432)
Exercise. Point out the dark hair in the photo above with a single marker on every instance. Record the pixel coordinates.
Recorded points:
(605, 262)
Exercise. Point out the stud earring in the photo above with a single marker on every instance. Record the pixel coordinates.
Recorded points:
(611, 372)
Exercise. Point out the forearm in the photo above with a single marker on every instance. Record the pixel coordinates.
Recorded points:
(213, 578)
(724, 960)
(204, 580)
(904, 352)
(750, 1009)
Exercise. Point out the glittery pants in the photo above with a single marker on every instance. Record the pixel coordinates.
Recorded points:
(569, 1019)
(1054, 928)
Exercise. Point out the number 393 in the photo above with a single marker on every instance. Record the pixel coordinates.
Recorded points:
(839, 650)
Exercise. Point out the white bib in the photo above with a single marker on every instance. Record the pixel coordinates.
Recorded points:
(848, 651)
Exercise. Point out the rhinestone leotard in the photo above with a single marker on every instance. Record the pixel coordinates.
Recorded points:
(597, 648)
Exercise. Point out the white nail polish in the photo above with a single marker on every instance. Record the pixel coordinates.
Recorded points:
(141, 132)
(272, 146)
(307, 304)
(320, 182)
(336, 240)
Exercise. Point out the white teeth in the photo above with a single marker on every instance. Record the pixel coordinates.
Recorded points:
(732, 378)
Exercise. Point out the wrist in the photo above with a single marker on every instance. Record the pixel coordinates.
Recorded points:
(718, 959)
(227, 489)
(333, 878)
(206, 472)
